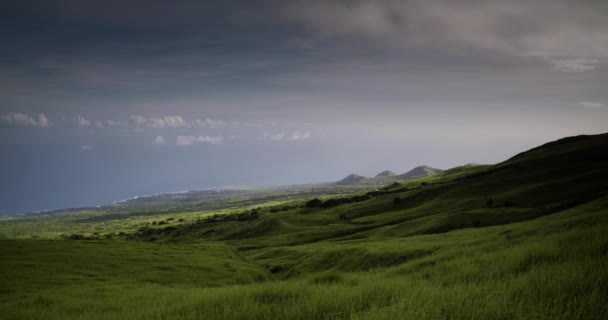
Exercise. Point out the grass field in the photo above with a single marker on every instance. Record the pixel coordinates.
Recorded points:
(524, 239)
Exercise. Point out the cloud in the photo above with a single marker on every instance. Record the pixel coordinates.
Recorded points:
(589, 104)
(131, 13)
(138, 121)
(43, 122)
(21, 119)
(159, 140)
(158, 123)
(546, 29)
(575, 64)
(184, 141)
(299, 136)
(113, 123)
(296, 135)
(81, 121)
(86, 148)
(276, 136)
(208, 123)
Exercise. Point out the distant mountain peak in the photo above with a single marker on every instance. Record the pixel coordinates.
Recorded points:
(386, 173)
(418, 172)
(351, 179)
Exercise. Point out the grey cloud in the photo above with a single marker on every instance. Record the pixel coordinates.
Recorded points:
(133, 12)
(21, 119)
(184, 141)
(294, 136)
(138, 121)
(274, 136)
(575, 65)
(207, 123)
(590, 104)
(113, 123)
(546, 29)
(158, 123)
(299, 136)
(160, 140)
(81, 121)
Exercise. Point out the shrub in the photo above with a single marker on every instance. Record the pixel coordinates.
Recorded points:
(490, 203)
(327, 278)
(316, 202)
(276, 269)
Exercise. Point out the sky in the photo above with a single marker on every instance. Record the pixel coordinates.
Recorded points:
(105, 100)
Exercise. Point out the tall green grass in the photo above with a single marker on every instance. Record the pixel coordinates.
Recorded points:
(555, 267)
(443, 250)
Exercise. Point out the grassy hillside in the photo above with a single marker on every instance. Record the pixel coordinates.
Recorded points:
(523, 239)
(418, 172)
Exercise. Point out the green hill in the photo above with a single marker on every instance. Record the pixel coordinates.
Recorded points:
(386, 173)
(420, 171)
(523, 239)
(351, 179)
(387, 177)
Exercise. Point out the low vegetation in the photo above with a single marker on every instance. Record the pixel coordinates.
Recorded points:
(523, 239)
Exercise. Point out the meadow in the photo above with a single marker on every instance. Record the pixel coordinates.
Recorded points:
(523, 239)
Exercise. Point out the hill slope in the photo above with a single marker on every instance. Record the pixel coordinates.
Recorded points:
(351, 179)
(420, 171)
(525, 187)
(524, 239)
(386, 173)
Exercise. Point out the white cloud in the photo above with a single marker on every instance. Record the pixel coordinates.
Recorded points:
(21, 119)
(589, 104)
(208, 123)
(98, 124)
(297, 135)
(174, 122)
(82, 122)
(113, 123)
(86, 148)
(159, 140)
(43, 121)
(274, 136)
(158, 123)
(185, 141)
(575, 64)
